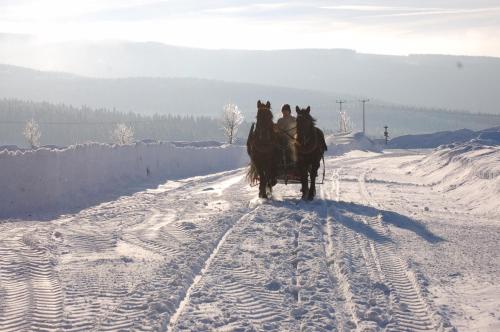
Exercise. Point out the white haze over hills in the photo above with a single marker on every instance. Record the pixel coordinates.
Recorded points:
(202, 97)
(437, 81)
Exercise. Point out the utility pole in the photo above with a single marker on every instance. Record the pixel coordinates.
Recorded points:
(342, 117)
(340, 102)
(364, 102)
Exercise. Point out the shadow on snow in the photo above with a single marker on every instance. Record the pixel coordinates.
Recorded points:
(347, 214)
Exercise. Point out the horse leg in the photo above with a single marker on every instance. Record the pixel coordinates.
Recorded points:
(262, 184)
(270, 189)
(304, 182)
(314, 174)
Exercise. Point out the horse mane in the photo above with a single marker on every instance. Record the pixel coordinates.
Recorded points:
(306, 117)
(264, 115)
(264, 127)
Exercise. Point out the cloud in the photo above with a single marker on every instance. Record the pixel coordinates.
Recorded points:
(26, 10)
(259, 7)
(371, 26)
(368, 8)
(441, 11)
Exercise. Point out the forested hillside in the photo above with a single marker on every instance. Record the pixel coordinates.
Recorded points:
(64, 125)
(202, 97)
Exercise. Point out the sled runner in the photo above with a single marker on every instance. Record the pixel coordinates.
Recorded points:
(289, 173)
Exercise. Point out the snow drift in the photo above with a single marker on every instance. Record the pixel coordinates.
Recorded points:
(49, 180)
(428, 141)
(338, 145)
(469, 173)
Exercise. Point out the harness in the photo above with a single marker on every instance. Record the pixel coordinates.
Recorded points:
(286, 132)
(262, 142)
(301, 148)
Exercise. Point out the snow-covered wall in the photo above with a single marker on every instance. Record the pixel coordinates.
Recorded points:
(48, 180)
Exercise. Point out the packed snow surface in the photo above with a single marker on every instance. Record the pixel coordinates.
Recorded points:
(384, 247)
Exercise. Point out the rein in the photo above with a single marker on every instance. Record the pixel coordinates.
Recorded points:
(301, 147)
(288, 130)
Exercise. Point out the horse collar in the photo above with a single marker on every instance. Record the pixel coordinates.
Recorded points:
(302, 147)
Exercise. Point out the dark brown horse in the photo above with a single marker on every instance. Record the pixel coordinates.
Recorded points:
(263, 147)
(311, 146)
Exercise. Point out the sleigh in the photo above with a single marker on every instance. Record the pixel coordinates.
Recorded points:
(288, 172)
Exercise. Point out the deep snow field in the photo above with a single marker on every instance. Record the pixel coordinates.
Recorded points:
(405, 240)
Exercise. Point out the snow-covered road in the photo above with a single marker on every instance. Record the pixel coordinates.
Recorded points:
(380, 249)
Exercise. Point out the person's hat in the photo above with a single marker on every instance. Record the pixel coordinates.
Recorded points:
(287, 108)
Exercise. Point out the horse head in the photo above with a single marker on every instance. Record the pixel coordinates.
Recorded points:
(264, 111)
(265, 123)
(305, 124)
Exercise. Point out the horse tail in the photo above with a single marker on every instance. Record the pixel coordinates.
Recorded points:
(252, 174)
(249, 139)
(322, 138)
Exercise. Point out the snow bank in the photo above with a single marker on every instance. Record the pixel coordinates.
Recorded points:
(469, 172)
(197, 144)
(426, 141)
(338, 145)
(48, 180)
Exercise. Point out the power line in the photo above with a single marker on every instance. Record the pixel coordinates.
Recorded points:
(61, 122)
(364, 102)
(97, 122)
(340, 102)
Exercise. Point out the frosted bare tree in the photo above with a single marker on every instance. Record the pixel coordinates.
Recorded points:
(122, 134)
(232, 118)
(345, 123)
(32, 133)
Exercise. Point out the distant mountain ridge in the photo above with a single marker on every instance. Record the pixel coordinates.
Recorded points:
(435, 81)
(148, 95)
(189, 96)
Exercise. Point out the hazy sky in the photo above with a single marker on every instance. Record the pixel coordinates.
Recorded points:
(470, 27)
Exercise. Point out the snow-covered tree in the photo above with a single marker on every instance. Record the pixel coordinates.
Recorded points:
(32, 133)
(122, 134)
(232, 118)
(345, 123)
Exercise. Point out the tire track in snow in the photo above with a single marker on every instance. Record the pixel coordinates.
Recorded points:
(206, 266)
(378, 288)
(106, 289)
(252, 282)
(31, 294)
(155, 235)
(319, 308)
(351, 266)
(344, 312)
(86, 293)
(185, 245)
(411, 311)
